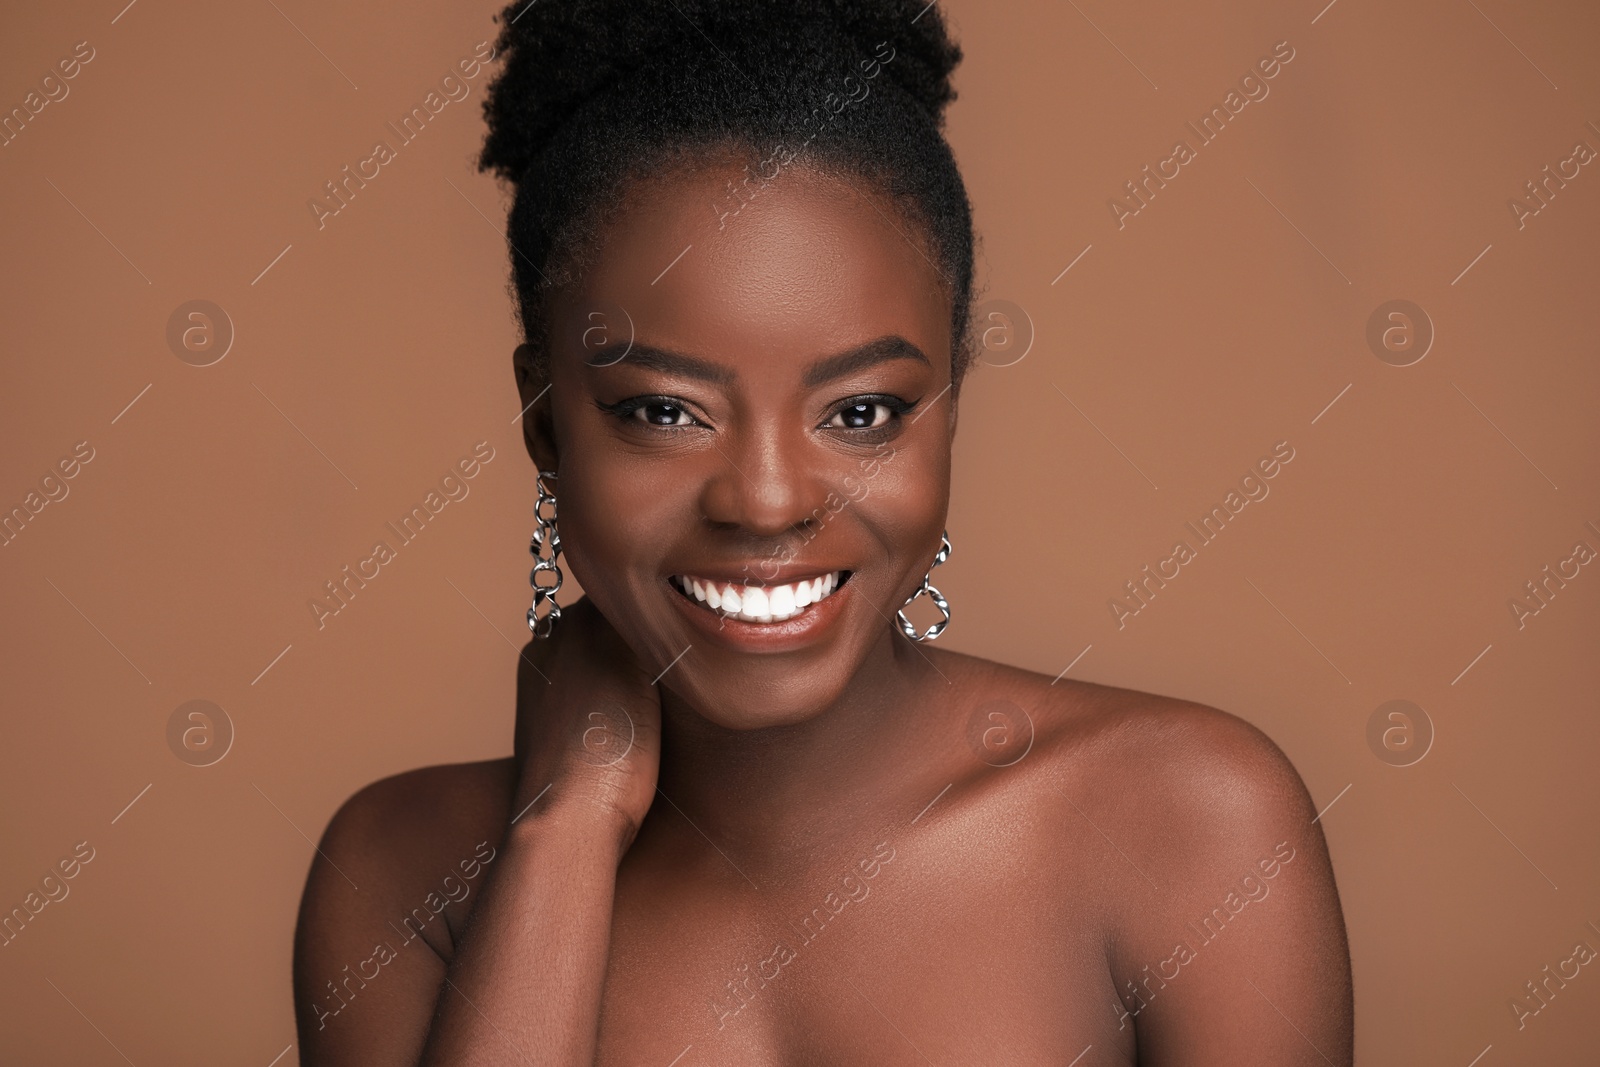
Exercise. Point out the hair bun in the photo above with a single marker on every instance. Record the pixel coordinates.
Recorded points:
(924, 55)
(557, 54)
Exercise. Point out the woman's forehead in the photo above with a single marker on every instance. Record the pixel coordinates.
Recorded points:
(715, 256)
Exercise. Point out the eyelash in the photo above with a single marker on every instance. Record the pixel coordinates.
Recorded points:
(898, 408)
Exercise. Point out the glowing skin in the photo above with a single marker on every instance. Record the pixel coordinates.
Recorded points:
(736, 841)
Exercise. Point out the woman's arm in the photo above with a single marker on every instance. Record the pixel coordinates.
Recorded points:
(523, 982)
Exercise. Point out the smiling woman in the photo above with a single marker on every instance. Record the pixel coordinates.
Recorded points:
(738, 707)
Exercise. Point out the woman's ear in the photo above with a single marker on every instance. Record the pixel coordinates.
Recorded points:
(533, 388)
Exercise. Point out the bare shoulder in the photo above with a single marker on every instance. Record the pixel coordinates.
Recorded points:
(406, 814)
(391, 884)
(1166, 757)
(1190, 761)
(402, 834)
(1188, 834)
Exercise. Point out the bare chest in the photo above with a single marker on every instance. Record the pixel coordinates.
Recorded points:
(909, 951)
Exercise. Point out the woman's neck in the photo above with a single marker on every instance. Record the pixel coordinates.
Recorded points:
(778, 792)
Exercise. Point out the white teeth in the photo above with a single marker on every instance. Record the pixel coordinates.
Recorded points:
(755, 603)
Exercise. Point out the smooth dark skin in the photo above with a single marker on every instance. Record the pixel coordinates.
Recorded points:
(1007, 907)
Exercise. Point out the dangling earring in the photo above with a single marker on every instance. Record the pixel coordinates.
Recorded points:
(938, 600)
(545, 547)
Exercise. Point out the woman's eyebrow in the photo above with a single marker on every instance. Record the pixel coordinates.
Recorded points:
(662, 360)
(881, 350)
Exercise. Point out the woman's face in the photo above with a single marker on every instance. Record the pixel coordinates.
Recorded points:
(751, 393)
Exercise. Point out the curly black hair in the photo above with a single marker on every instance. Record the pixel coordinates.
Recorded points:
(597, 93)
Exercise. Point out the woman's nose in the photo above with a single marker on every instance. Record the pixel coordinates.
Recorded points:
(769, 483)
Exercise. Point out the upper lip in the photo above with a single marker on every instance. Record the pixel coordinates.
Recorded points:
(760, 574)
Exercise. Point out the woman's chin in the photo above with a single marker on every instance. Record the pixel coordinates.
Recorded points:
(744, 703)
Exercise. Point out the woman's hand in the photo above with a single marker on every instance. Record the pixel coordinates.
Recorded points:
(532, 952)
(588, 732)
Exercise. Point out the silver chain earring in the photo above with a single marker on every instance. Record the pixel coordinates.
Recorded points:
(545, 547)
(937, 597)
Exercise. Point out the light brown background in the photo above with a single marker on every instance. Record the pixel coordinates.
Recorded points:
(1223, 318)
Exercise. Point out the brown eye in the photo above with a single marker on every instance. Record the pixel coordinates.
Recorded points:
(660, 414)
(656, 412)
(863, 416)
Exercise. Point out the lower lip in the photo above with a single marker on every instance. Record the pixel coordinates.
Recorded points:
(785, 636)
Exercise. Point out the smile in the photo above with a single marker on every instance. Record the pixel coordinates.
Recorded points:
(759, 603)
